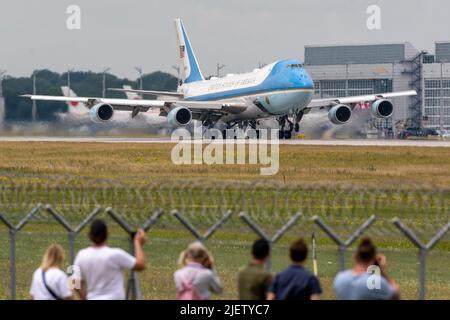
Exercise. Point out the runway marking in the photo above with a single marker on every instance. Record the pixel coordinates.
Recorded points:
(349, 142)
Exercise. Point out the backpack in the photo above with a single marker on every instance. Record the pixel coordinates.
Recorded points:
(188, 291)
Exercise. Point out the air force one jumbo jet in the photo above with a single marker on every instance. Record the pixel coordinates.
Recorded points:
(276, 90)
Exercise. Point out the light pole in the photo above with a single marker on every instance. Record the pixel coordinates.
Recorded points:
(2, 105)
(139, 70)
(34, 108)
(105, 70)
(2, 73)
(219, 67)
(68, 80)
(441, 93)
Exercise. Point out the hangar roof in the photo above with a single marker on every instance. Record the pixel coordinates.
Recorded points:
(359, 53)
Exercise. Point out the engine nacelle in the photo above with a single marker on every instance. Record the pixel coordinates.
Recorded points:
(382, 108)
(179, 116)
(101, 112)
(340, 114)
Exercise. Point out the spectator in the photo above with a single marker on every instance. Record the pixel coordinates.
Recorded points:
(101, 267)
(197, 278)
(359, 284)
(296, 283)
(253, 280)
(49, 281)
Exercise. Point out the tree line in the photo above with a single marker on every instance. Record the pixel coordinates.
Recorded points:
(83, 83)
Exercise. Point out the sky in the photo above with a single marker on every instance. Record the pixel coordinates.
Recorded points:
(237, 33)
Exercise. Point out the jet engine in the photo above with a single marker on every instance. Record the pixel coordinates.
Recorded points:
(101, 112)
(382, 108)
(340, 114)
(179, 116)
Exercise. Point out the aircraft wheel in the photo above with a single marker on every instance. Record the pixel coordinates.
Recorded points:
(297, 127)
(287, 134)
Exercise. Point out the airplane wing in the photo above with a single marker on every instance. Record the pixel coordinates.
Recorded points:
(152, 92)
(144, 105)
(321, 103)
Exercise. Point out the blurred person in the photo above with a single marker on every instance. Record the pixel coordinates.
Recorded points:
(197, 278)
(49, 281)
(253, 280)
(359, 283)
(295, 282)
(101, 267)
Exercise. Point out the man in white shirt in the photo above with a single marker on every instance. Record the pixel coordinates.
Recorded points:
(102, 267)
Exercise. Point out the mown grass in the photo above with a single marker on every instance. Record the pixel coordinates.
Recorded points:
(145, 163)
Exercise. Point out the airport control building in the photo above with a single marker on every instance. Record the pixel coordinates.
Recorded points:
(375, 68)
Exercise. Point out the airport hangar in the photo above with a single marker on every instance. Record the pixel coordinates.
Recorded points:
(341, 70)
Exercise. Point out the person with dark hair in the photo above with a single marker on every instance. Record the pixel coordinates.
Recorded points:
(253, 280)
(295, 282)
(101, 267)
(369, 279)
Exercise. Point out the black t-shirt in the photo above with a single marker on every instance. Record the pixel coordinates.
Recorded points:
(295, 283)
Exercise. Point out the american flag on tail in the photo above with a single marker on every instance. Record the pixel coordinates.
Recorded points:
(182, 51)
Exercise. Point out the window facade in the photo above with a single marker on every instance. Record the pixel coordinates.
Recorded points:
(342, 88)
(437, 103)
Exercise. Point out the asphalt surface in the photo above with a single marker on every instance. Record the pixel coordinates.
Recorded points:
(347, 142)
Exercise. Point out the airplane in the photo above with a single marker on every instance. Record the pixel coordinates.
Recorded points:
(276, 90)
(74, 107)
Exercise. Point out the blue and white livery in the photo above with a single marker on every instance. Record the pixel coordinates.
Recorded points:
(280, 89)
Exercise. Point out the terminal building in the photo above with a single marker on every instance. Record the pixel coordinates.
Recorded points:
(376, 68)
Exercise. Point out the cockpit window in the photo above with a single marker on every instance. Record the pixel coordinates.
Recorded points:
(295, 65)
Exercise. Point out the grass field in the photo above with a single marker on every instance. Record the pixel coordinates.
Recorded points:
(368, 168)
(142, 163)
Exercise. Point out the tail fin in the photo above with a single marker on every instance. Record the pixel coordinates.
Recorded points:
(73, 107)
(190, 69)
(131, 95)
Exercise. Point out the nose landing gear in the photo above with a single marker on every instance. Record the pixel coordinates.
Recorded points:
(286, 128)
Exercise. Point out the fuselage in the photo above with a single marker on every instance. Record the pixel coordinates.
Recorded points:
(273, 90)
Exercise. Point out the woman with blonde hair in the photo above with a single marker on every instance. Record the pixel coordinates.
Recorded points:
(49, 281)
(197, 278)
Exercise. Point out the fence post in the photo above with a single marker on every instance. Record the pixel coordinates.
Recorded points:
(202, 237)
(271, 240)
(12, 255)
(133, 289)
(12, 262)
(343, 244)
(12, 245)
(423, 250)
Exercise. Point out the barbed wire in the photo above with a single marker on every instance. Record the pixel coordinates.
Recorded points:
(425, 209)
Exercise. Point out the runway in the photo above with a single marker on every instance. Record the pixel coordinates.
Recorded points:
(347, 142)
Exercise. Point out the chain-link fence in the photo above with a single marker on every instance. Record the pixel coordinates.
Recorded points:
(35, 212)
